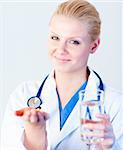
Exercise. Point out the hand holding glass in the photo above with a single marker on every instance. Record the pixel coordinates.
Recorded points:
(91, 103)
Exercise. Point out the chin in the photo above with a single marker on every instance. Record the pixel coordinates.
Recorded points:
(64, 69)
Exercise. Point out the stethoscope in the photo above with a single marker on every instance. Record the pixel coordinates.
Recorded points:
(36, 101)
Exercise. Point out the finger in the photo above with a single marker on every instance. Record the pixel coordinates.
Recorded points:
(46, 115)
(99, 126)
(108, 143)
(34, 116)
(99, 134)
(43, 113)
(38, 115)
(105, 117)
(26, 116)
(43, 116)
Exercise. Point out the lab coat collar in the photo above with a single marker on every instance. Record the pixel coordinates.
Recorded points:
(92, 85)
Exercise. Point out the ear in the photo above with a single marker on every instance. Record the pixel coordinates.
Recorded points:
(94, 45)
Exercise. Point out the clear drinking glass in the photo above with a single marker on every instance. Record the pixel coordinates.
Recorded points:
(91, 103)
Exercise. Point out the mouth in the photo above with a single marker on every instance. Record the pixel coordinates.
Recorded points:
(62, 59)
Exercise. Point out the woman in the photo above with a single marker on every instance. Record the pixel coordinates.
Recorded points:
(73, 36)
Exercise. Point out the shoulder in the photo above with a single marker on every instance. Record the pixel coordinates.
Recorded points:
(113, 101)
(114, 107)
(113, 93)
(26, 86)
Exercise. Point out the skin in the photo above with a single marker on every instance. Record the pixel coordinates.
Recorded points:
(69, 45)
(69, 48)
(105, 132)
(35, 136)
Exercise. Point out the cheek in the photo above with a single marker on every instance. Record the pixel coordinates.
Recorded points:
(82, 56)
(51, 50)
(51, 46)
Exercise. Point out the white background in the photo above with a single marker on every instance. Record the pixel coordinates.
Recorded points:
(23, 44)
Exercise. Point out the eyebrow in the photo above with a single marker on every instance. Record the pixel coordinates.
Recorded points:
(54, 33)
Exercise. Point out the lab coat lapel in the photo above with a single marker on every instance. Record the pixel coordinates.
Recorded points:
(71, 124)
(51, 106)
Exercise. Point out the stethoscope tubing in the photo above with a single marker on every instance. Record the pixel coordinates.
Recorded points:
(38, 95)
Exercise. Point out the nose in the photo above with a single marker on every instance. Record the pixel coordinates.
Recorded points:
(62, 47)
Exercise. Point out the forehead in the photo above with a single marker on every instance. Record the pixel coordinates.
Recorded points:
(66, 26)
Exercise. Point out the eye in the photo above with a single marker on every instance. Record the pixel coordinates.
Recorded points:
(54, 38)
(75, 42)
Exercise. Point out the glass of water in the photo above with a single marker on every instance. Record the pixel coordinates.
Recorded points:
(91, 103)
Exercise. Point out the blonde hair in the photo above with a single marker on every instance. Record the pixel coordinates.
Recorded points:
(82, 11)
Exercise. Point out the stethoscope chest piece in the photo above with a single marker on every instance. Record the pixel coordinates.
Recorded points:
(34, 102)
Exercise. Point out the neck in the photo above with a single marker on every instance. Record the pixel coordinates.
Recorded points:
(64, 79)
(68, 83)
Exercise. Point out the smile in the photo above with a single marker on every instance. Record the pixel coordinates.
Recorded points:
(62, 59)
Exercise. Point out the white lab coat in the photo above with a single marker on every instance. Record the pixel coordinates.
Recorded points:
(69, 137)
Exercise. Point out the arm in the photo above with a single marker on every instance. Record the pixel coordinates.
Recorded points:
(11, 131)
(13, 127)
(28, 134)
(35, 136)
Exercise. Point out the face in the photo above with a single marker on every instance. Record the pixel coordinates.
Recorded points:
(69, 44)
